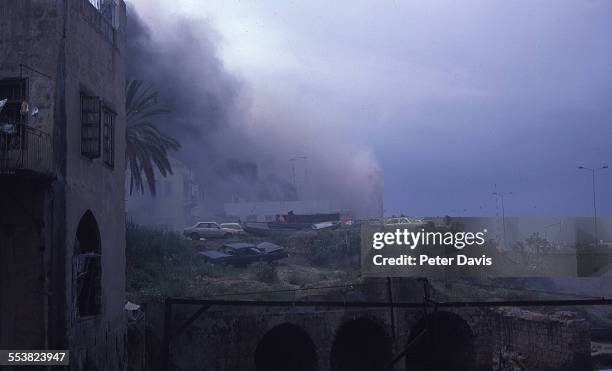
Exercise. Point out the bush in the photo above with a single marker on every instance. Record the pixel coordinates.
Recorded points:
(301, 279)
(327, 247)
(265, 273)
(161, 264)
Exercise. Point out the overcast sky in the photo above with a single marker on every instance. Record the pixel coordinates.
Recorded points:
(449, 97)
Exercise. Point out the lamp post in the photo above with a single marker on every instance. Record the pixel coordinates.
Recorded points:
(306, 185)
(593, 170)
(501, 195)
(292, 161)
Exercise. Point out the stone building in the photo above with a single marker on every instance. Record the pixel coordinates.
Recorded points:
(174, 205)
(62, 145)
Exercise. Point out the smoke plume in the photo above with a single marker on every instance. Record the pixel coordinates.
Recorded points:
(238, 153)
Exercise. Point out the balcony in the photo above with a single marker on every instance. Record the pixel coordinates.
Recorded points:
(24, 149)
(102, 15)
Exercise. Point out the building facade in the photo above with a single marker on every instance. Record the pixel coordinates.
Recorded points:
(268, 210)
(174, 205)
(62, 146)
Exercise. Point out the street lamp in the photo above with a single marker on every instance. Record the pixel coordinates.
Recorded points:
(501, 195)
(306, 184)
(292, 161)
(593, 170)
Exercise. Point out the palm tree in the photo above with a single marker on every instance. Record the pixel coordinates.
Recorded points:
(146, 147)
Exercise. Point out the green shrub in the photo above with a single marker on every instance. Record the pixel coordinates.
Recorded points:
(161, 263)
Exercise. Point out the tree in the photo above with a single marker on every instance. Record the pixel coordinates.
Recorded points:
(146, 147)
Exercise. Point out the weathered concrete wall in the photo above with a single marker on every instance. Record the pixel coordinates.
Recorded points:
(537, 341)
(23, 283)
(29, 36)
(95, 66)
(226, 338)
(72, 53)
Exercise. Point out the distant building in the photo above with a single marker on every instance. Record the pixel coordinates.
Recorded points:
(62, 146)
(174, 205)
(266, 211)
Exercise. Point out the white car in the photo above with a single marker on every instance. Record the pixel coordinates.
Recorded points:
(233, 226)
(208, 230)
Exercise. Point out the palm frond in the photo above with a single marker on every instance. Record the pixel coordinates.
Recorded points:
(147, 148)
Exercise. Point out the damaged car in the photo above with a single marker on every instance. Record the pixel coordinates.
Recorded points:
(241, 254)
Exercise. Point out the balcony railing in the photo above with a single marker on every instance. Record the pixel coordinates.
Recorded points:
(101, 15)
(24, 148)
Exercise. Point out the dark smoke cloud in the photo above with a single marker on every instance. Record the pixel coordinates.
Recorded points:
(231, 157)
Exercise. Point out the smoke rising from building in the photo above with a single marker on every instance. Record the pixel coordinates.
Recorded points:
(275, 151)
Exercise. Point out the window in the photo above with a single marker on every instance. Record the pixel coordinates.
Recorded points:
(108, 137)
(14, 91)
(90, 126)
(88, 267)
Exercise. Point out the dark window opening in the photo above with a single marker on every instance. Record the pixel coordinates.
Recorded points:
(88, 267)
(90, 126)
(361, 344)
(286, 348)
(445, 344)
(108, 137)
(14, 91)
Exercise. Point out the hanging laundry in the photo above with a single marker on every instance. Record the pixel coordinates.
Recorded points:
(25, 108)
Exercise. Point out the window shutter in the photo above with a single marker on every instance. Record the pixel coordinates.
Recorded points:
(90, 126)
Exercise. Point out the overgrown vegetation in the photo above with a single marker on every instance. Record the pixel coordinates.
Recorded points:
(164, 264)
(333, 248)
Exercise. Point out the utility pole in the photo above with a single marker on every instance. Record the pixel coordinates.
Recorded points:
(501, 195)
(306, 183)
(292, 160)
(592, 170)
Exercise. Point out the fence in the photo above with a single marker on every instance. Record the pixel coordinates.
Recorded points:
(25, 148)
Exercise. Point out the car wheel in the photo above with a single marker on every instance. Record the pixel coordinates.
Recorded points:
(195, 236)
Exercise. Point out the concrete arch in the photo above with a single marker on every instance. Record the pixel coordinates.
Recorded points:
(443, 341)
(87, 235)
(361, 344)
(286, 347)
(87, 266)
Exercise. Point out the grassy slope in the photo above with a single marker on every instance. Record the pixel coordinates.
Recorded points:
(161, 264)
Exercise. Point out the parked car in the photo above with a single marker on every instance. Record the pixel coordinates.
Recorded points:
(208, 230)
(233, 226)
(242, 254)
(404, 221)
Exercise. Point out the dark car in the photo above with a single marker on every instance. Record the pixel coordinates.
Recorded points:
(242, 253)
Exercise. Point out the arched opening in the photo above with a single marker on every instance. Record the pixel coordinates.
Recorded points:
(361, 344)
(88, 266)
(286, 348)
(446, 344)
